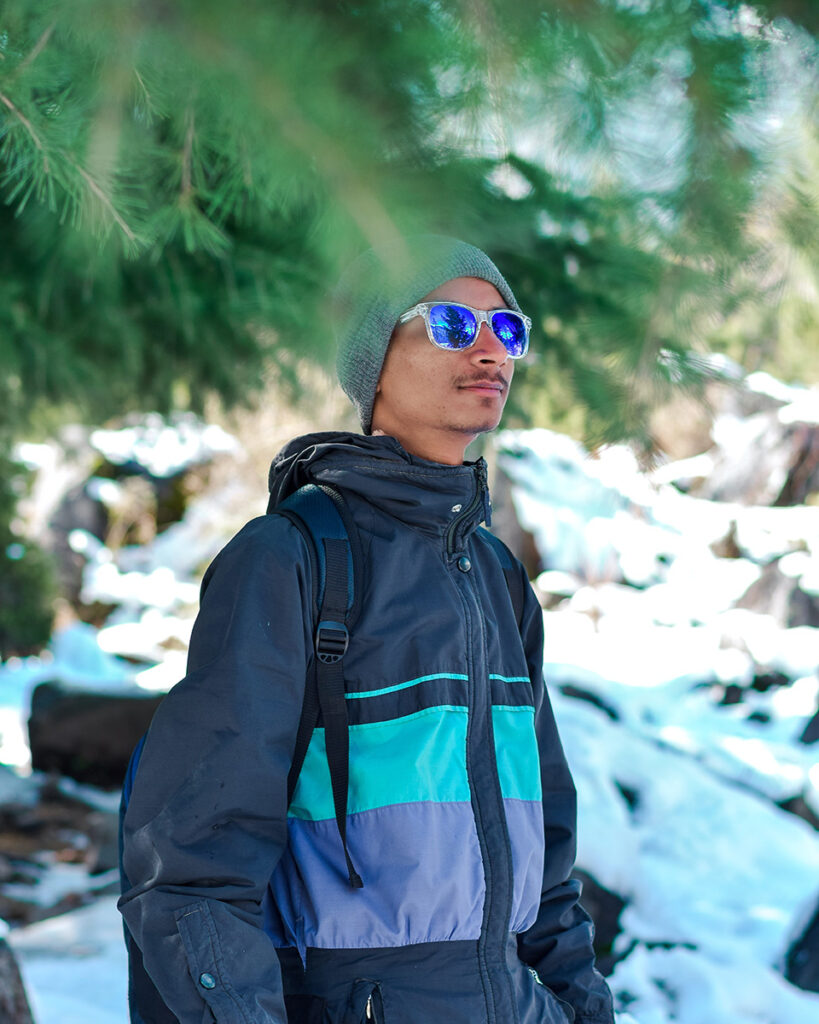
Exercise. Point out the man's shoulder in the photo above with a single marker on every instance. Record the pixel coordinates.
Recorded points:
(263, 540)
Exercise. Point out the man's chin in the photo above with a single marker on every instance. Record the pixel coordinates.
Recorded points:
(476, 426)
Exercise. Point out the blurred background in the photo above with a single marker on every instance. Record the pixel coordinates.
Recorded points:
(182, 184)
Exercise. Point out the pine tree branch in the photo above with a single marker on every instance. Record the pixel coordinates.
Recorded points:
(98, 191)
(24, 121)
(105, 200)
(186, 158)
(144, 87)
(38, 48)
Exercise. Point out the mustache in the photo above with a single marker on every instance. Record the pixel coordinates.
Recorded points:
(483, 378)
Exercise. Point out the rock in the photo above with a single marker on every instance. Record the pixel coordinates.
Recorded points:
(61, 829)
(801, 808)
(727, 546)
(87, 735)
(767, 459)
(77, 510)
(767, 679)
(811, 733)
(604, 908)
(104, 834)
(802, 959)
(581, 693)
(6, 870)
(14, 1007)
(732, 694)
(780, 595)
(505, 524)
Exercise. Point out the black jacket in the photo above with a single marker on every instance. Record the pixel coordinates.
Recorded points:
(461, 809)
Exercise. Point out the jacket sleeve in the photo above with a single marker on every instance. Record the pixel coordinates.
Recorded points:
(207, 820)
(559, 944)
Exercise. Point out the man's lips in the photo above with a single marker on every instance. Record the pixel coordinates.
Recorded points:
(484, 387)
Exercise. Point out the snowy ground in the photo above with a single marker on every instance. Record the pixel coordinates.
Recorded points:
(678, 791)
(74, 966)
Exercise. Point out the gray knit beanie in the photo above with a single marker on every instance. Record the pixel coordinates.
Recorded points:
(381, 285)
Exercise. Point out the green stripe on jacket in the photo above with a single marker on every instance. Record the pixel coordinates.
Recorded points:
(418, 757)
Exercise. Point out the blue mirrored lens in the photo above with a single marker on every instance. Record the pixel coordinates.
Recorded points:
(452, 326)
(510, 329)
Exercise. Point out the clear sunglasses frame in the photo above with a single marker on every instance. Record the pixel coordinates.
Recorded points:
(483, 316)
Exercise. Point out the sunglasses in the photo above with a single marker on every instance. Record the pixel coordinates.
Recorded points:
(454, 326)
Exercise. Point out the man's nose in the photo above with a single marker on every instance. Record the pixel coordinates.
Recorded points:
(488, 348)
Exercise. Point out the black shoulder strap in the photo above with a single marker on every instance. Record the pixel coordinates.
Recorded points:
(321, 515)
(511, 573)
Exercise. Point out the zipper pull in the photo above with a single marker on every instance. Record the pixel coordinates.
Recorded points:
(369, 1014)
(483, 484)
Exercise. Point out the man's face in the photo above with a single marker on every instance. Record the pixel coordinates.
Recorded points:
(424, 390)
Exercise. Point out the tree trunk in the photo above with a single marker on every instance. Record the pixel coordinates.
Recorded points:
(14, 1008)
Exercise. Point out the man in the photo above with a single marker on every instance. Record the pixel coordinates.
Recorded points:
(460, 808)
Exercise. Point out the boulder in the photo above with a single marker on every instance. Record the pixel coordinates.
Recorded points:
(14, 1007)
(811, 733)
(85, 734)
(799, 806)
(506, 525)
(802, 959)
(780, 595)
(77, 510)
(767, 459)
(67, 825)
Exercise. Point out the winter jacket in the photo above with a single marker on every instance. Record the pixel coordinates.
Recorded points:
(461, 808)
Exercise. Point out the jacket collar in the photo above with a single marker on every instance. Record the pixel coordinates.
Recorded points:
(444, 501)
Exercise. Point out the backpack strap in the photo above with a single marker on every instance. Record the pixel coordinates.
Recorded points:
(320, 514)
(511, 573)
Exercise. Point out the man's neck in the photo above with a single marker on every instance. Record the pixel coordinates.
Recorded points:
(448, 449)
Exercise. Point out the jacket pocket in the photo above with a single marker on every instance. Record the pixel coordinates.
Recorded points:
(366, 1005)
(556, 1010)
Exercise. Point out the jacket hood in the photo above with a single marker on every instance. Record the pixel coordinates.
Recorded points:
(426, 495)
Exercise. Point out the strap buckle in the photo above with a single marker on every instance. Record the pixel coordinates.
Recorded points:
(332, 641)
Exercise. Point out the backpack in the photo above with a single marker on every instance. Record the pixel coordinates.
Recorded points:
(320, 513)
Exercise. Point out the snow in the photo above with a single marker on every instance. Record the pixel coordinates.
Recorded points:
(157, 589)
(74, 966)
(803, 409)
(164, 447)
(57, 880)
(16, 790)
(681, 986)
(677, 792)
(676, 857)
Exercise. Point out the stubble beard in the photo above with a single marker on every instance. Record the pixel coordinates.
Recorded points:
(484, 427)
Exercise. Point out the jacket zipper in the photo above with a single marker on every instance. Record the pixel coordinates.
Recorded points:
(495, 998)
(478, 497)
(369, 1012)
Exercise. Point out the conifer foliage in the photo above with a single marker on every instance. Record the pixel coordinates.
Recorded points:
(27, 579)
(182, 181)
